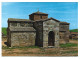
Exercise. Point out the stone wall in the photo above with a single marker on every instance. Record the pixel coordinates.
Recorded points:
(39, 33)
(36, 32)
(73, 35)
(20, 24)
(48, 26)
(64, 27)
(38, 17)
(23, 38)
(8, 37)
(64, 33)
(31, 17)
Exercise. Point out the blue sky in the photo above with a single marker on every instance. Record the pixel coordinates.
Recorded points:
(63, 11)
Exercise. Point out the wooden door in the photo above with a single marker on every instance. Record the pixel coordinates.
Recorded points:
(51, 38)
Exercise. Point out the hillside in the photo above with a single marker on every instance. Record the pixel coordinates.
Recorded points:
(4, 31)
(74, 30)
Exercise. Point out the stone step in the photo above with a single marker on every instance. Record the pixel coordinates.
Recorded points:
(51, 46)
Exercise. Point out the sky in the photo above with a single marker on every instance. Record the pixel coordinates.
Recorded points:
(62, 11)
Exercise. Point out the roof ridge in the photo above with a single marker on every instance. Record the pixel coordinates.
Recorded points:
(18, 18)
(38, 12)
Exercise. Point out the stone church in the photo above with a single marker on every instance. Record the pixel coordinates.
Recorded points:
(38, 30)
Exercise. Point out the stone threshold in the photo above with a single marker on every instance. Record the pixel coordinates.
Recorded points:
(51, 46)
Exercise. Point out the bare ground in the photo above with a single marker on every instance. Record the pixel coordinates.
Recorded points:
(68, 51)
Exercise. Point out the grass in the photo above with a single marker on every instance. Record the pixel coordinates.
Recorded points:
(69, 52)
(36, 53)
(74, 30)
(43, 51)
(68, 45)
(61, 45)
(4, 31)
(6, 47)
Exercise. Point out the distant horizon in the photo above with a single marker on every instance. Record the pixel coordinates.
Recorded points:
(62, 11)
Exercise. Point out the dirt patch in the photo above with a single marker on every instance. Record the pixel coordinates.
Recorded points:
(68, 51)
(73, 41)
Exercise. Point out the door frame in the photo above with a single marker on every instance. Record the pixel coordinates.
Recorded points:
(52, 38)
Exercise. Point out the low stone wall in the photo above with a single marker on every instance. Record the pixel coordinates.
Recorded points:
(22, 38)
(4, 37)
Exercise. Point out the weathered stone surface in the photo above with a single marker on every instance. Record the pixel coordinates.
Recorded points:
(64, 32)
(39, 30)
(22, 38)
(73, 35)
(50, 24)
(38, 16)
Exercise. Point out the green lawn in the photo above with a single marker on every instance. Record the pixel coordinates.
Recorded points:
(25, 47)
(68, 45)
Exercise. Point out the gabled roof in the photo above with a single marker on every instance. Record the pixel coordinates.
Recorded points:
(48, 19)
(28, 20)
(39, 13)
(54, 19)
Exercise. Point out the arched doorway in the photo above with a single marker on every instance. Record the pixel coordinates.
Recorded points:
(51, 38)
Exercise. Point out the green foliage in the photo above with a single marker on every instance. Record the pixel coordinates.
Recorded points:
(68, 45)
(74, 30)
(4, 31)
